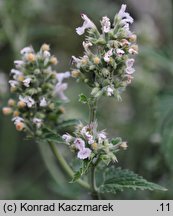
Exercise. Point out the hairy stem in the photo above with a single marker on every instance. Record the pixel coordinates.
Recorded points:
(65, 166)
(92, 118)
(94, 192)
(92, 110)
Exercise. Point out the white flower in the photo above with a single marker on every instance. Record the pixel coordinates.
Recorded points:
(120, 52)
(17, 119)
(130, 70)
(89, 137)
(67, 137)
(16, 73)
(101, 136)
(3, 83)
(88, 24)
(43, 102)
(108, 55)
(19, 63)
(13, 83)
(75, 60)
(26, 50)
(133, 51)
(84, 153)
(59, 90)
(84, 130)
(91, 140)
(79, 143)
(106, 25)
(86, 45)
(46, 54)
(109, 91)
(38, 122)
(27, 82)
(129, 78)
(126, 29)
(28, 100)
(124, 16)
(130, 62)
(129, 65)
(61, 76)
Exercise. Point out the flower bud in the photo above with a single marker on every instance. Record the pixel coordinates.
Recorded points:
(92, 67)
(84, 61)
(96, 60)
(6, 110)
(124, 42)
(61, 109)
(53, 60)
(133, 38)
(37, 71)
(16, 113)
(105, 72)
(94, 146)
(123, 145)
(45, 47)
(11, 102)
(52, 106)
(75, 73)
(21, 104)
(133, 49)
(20, 78)
(95, 91)
(20, 126)
(13, 89)
(30, 57)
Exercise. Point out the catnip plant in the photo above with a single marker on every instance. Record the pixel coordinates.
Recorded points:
(106, 68)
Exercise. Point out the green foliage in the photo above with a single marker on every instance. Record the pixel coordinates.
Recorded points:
(116, 179)
(82, 171)
(83, 99)
(166, 127)
(67, 123)
(51, 136)
(116, 140)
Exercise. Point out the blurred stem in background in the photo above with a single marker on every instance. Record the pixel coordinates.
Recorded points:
(65, 166)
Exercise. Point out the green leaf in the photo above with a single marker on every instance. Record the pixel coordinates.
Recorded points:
(82, 171)
(116, 141)
(116, 179)
(50, 135)
(83, 99)
(68, 123)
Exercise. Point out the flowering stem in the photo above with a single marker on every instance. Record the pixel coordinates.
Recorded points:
(92, 118)
(92, 110)
(65, 166)
(94, 193)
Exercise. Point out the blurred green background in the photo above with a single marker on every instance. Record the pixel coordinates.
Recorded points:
(144, 118)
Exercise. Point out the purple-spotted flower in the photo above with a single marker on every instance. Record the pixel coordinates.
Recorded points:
(106, 25)
(124, 16)
(67, 137)
(79, 143)
(84, 153)
(27, 81)
(38, 122)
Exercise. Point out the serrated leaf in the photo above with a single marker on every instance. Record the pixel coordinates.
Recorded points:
(117, 179)
(82, 171)
(83, 99)
(68, 123)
